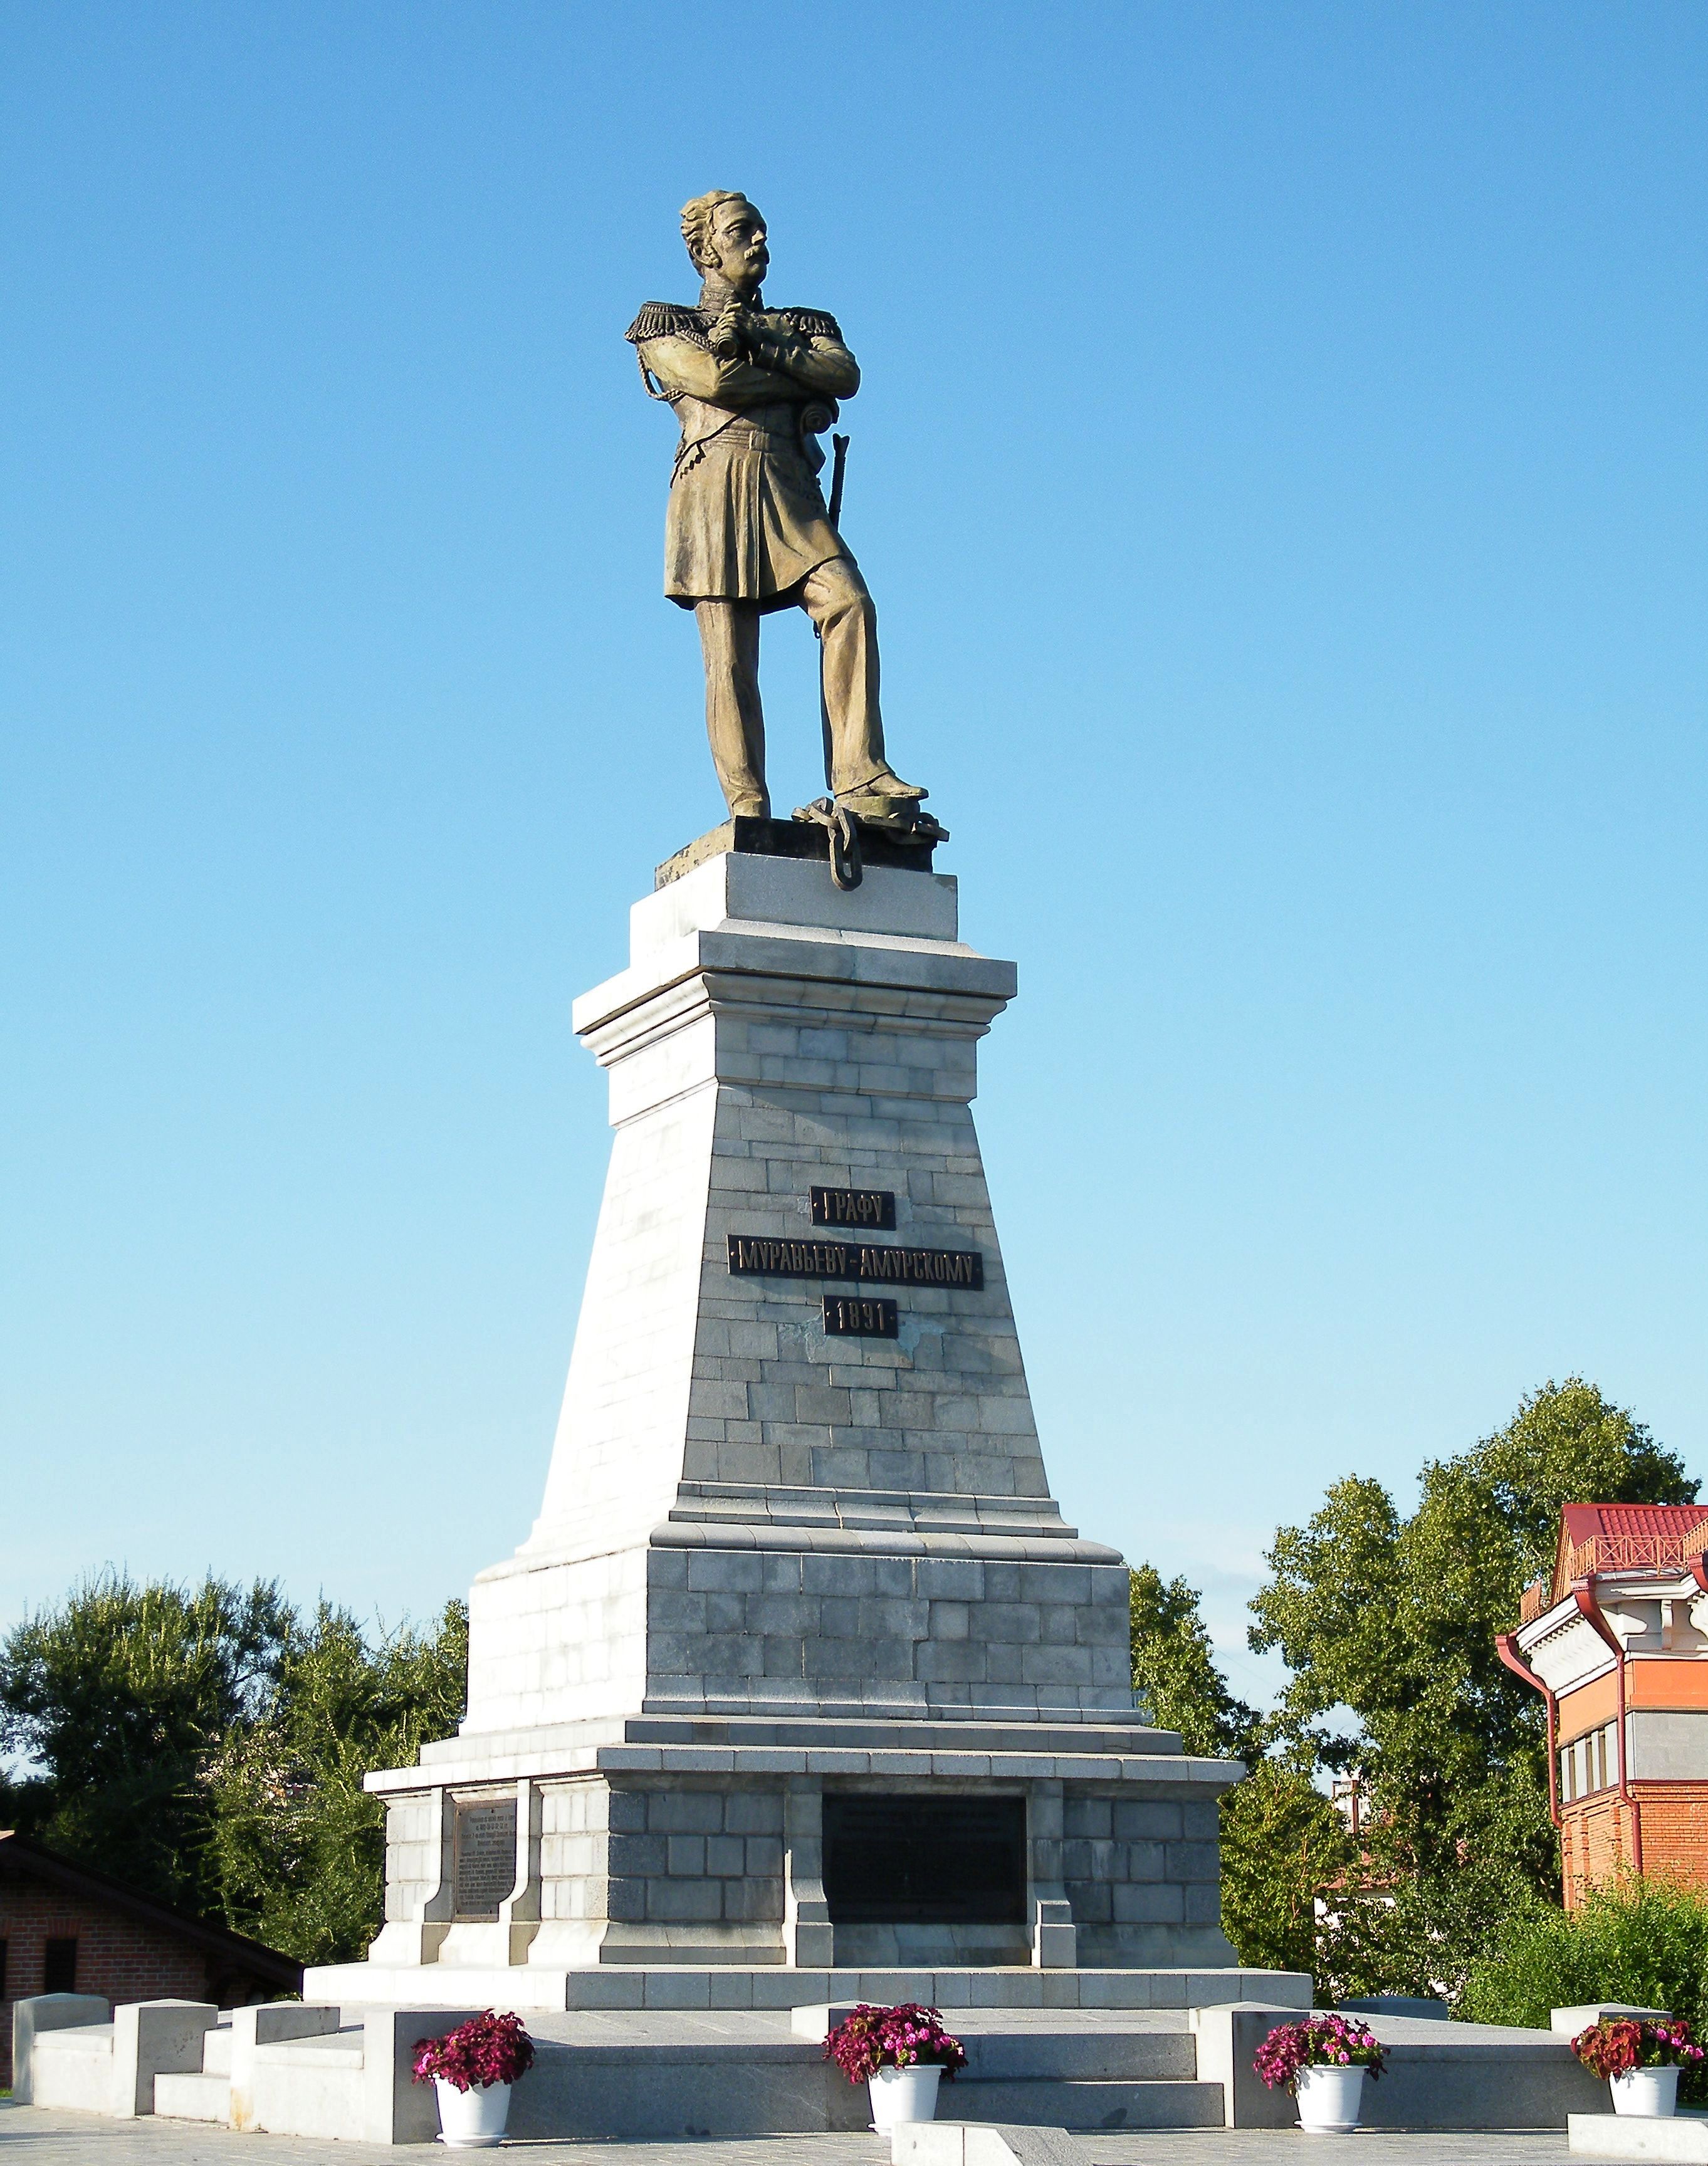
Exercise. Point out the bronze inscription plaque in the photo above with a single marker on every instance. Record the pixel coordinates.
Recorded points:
(865, 1209)
(876, 1263)
(485, 1858)
(858, 1316)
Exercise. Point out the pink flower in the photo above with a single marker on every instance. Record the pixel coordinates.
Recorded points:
(1318, 2041)
(1615, 2046)
(487, 2049)
(872, 2038)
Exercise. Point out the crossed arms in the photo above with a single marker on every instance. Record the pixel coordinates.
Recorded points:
(753, 361)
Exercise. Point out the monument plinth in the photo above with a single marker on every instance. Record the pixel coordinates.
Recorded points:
(773, 1037)
(800, 1668)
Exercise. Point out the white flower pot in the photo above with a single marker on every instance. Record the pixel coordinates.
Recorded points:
(1330, 2099)
(903, 2094)
(1653, 2093)
(472, 2120)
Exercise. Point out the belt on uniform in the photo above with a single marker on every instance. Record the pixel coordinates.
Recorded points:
(738, 435)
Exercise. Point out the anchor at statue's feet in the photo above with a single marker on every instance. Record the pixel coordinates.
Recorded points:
(893, 813)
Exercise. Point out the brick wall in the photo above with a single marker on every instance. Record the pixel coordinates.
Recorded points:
(1675, 1829)
(116, 1955)
(120, 1956)
(1594, 1843)
(1596, 1837)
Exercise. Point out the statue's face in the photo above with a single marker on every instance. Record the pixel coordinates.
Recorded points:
(737, 242)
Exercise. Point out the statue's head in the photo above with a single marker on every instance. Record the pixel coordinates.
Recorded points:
(725, 234)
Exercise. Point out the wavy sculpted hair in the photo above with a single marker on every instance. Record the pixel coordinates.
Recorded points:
(696, 223)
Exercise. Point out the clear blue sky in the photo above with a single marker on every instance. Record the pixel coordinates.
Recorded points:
(1280, 472)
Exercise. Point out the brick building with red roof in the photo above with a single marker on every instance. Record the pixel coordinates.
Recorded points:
(1616, 1639)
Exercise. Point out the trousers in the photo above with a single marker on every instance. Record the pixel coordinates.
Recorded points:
(834, 595)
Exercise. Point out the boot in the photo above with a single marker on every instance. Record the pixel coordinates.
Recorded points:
(883, 799)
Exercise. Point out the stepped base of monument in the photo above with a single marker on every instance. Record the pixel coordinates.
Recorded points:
(658, 1737)
(677, 2073)
(865, 1845)
(713, 1987)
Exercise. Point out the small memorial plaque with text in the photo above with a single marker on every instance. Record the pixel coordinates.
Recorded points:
(486, 1857)
(858, 1207)
(854, 1316)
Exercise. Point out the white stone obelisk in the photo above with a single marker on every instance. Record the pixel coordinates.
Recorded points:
(772, 1035)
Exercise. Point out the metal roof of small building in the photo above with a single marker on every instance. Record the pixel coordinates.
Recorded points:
(1639, 1522)
(1598, 1538)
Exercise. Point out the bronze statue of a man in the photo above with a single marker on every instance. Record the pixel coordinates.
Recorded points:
(747, 529)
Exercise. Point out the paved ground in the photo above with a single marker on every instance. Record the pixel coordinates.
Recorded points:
(32, 2137)
(1278, 2147)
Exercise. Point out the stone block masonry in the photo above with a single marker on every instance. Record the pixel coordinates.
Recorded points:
(731, 1630)
(777, 1567)
(743, 1513)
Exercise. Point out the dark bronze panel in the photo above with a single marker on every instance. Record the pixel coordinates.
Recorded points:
(861, 1316)
(866, 1210)
(486, 1857)
(878, 1263)
(925, 1861)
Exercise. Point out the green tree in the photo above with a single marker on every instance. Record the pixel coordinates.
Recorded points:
(300, 1845)
(1281, 1840)
(1283, 1846)
(1387, 1626)
(116, 1698)
(1174, 1669)
(209, 1747)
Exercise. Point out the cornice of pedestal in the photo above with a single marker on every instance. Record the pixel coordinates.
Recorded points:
(1038, 1548)
(744, 929)
(624, 1017)
(992, 1745)
(884, 1511)
(547, 1550)
(942, 983)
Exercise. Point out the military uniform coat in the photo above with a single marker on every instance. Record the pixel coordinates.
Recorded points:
(746, 520)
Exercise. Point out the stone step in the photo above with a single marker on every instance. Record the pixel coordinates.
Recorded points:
(79, 2040)
(193, 2097)
(1041, 2102)
(687, 1986)
(1621, 2135)
(343, 2048)
(216, 2051)
(70, 2067)
(1103, 1733)
(1080, 2056)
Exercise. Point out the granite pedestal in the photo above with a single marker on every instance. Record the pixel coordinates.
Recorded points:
(801, 1669)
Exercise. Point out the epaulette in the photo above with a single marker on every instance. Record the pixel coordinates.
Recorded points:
(810, 323)
(664, 319)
